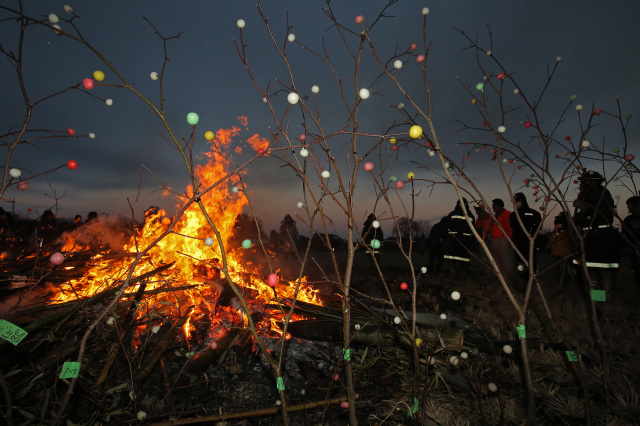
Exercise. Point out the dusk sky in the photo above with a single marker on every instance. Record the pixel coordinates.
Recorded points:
(598, 43)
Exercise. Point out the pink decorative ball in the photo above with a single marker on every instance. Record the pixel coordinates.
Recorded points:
(335, 377)
(359, 19)
(413, 46)
(302, 137)
(272, 280)
(23, 186)
(87, 83)
(214, 345)
(399, 184)
(368, 166)
(56, 258)
(629, 157)
(420, 58)
(72, 164)
(344, 404)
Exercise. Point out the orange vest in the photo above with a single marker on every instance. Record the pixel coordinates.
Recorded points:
(503, 220)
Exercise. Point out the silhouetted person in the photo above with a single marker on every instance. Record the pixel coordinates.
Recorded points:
(289, 236)
(91, 216)
(561, 246)
(47, 230)
(521, 234)
(594, 215)
(7, 237)
(77, 221)
(459, 240)
(370, 233)
(631, 229)
(434, 245)
(500, 246)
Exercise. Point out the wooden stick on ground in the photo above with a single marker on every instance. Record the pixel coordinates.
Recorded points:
(253, 413)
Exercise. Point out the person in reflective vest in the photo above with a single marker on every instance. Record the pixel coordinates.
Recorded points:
(594, 215)
(459, 240)
(499, 244)
(521, 234)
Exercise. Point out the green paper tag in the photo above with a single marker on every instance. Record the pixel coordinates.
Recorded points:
(11, 332)
(598, 296)
(347, 354)
(521, 331)
(70, 370)
(280, 384)
(414, 409)
(572, 356)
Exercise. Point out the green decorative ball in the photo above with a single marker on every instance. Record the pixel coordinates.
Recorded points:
(573, 97)
(192, 118)
(375, 244)
(246, 244)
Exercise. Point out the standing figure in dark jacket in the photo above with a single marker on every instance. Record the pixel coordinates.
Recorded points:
(458, 243)
(522, 234)
(372, 236)
(594, 215)
(631, 230)
(434, 246)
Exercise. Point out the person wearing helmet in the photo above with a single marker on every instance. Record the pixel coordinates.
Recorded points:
(595, 210)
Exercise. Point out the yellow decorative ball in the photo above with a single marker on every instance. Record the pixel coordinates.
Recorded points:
(418, 341)
(415, 131)
(392, 140)
(98, 75)
(411, 175)
(473, 101)
(208, 135)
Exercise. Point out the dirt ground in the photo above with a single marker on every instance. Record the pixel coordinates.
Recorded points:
(389, 380)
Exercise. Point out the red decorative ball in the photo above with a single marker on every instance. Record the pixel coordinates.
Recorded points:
(359, 19)
(344, 404)
(420, 58)
(87, 83)
(56, 258)
(368, 166)
(262, 152)
(629, 157)
(567, 138)
(302, 137)
(399, 184)
(72, 164)
(404, 286)
(519, 167)
(335, 377)
(394, 148)
(501, 76)
(23, 186)
(71, 132)
(413, 46)
(597, 111)
(485, 123)
(527, 124)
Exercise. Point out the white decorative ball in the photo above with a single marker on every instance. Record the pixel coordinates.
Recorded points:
(520, 267)
(488, 53)
(300, 204)
(291, 37)
(68, 8)
(293, 98)
(492, 387)
(400, 105)
(579, 107)
(304, 152)
(153, 75)
(278, 402)
(455, 295)
(53, 18)
(397, 64)
(92, 135)
(208, 241)
(464, 355)
(423, 269)
(234, 189)
(504, 160)
(364, 93)
(502, 129)
(432, 360)
(559, 58)
(454, 360)
(447, 165)
(357, 326)
(141, 415)
(109, 102)
(376, 224)
(265, 100)
(516, 91)
(397, 320)
(111, 320)
(16, 173)
(315, 89)
(507, 349)
(326, 174)
(241, 23)
(443, 317)
(425, 10)
(56, 28)
(155, 329)
(585, 143)
(431, 153)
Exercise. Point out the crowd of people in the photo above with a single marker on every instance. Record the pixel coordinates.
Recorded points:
(513, 237)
